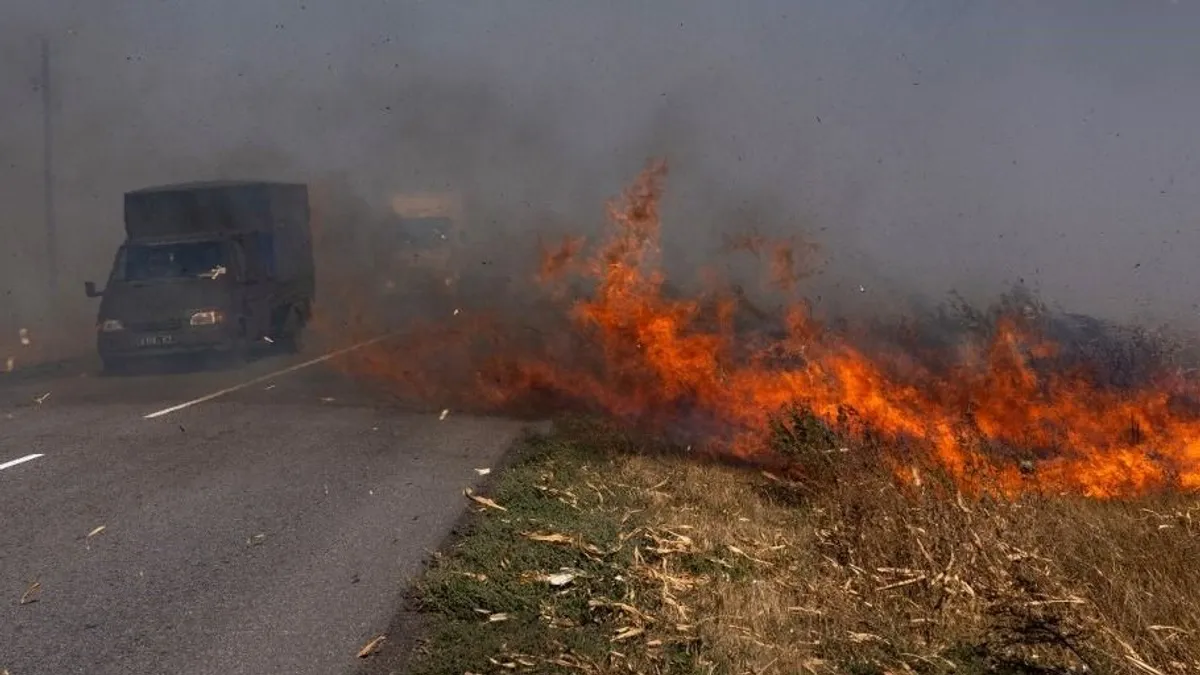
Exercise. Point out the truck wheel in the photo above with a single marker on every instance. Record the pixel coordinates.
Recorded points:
(239, 349)
(293, 332)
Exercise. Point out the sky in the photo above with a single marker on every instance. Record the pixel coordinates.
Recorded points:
(927, 146)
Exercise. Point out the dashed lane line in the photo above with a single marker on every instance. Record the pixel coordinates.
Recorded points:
(268, 376)
(19, 460)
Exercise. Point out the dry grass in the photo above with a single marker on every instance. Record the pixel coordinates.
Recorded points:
(690, 567)
(864, 575)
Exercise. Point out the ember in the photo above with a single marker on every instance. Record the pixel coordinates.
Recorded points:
(633, 351)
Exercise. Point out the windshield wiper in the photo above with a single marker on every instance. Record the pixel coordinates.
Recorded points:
(214, 273)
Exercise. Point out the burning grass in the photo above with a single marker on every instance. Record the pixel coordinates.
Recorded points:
(982, 398)
(614, 556)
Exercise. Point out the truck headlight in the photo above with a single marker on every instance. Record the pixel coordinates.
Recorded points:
(207, 317)
(111, 326)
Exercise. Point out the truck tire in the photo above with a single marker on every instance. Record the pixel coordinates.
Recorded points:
(292, 333)
(287, 327)
(238, 353)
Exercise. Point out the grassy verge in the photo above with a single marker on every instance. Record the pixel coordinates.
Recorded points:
(604, 558)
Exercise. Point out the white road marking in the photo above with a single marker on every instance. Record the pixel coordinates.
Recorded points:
(20, 460)
(243, 385)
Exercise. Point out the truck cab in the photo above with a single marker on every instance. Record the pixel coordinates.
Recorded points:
(205, 280)
(421, 241)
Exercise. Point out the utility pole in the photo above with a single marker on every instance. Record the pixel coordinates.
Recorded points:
(48, 177)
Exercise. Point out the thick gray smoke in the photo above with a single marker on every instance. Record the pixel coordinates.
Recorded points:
(928, 146)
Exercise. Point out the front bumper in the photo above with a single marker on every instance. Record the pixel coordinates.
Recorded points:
(132, 344)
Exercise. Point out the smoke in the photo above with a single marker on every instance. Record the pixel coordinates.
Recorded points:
(927, 147)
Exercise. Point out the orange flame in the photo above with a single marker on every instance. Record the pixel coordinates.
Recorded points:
(662, 362)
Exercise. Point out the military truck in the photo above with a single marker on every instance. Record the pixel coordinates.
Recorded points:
(208, 268)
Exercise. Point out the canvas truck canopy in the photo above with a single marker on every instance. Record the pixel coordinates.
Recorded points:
(190, 209)
(270, 219)
(428, 205)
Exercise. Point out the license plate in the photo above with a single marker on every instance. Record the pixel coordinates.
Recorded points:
(155, 340)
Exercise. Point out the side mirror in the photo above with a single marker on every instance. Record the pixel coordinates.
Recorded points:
(90, 289)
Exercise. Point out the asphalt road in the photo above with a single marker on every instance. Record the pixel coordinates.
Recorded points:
(272, 529)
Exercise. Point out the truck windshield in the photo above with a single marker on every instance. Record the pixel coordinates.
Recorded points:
(151, 262)
(425, 232)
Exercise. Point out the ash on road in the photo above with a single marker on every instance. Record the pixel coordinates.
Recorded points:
(272, 529)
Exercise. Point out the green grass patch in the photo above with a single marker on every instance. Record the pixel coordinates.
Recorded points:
(500, 600)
